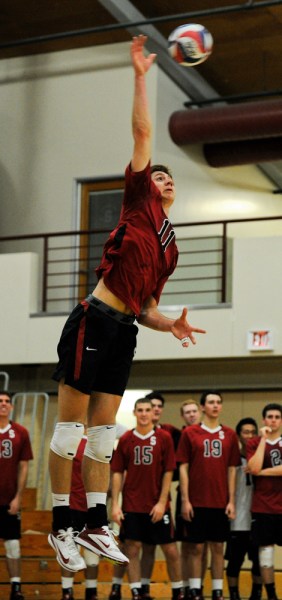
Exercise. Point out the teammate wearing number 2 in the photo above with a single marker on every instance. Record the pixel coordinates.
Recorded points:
(208, 454)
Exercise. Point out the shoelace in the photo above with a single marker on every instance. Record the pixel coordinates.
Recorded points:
(68, 537)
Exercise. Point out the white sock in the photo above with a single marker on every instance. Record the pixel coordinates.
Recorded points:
(67, 582)
(217, 584)
(94, 498)
(90, 583)
(175, 585)
(195, 583)
(60, 499)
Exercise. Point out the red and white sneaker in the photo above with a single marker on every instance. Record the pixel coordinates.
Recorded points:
(68, 556)
(102, 542)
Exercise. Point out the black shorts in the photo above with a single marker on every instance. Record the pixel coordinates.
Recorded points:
(240, 544)
(139, 527)
(266, 529)
(96, 350)
(208, 525)
(10, 525)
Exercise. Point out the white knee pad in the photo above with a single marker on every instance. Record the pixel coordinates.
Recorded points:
(66, 439)
(100, 443)
(266, 557)
(91, 559)
(12, 548)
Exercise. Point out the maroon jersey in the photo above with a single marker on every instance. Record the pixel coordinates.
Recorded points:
(14, 447)
(267, 496)
(78, 495)
(145, 458)
(140, 253)
(209, 453)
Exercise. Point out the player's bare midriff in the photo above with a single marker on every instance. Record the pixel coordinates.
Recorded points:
(103, 293)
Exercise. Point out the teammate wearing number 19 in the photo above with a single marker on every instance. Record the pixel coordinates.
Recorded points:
(146, 456)
(208, 453)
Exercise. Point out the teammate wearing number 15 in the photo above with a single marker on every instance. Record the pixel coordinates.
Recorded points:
(145, 456)
(208, 453)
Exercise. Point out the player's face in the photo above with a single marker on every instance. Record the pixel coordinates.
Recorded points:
(157, 408)
(5, 406)
(144, 414)
(273, 419)
(213, 406)
(165, 185)
(247, 432)
(191, 414)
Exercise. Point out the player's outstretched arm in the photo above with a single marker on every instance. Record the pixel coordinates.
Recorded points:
(141, 120)
(151, 317)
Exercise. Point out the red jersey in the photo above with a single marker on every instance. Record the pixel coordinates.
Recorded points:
(145, 458)
(14, 447)
(77, 494)
(267, 496)
(141, 252)
(209, 453)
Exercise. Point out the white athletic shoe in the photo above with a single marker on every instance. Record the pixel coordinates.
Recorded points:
(68, 556)
(102, 542)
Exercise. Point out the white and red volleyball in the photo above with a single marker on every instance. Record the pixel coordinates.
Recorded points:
(190, 45)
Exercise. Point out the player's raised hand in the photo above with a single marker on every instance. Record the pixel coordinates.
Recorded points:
(141, 63)
(183, 331)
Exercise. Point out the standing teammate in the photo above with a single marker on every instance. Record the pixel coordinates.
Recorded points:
(190, 412)
(142, 468)
(98, 341)
(264, 456)
(15, 452)
(240, 543)
(208, 453)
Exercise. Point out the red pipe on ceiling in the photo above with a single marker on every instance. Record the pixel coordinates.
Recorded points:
(246, 121)
(243, 152)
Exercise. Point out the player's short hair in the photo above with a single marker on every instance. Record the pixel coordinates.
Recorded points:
(186, 403)
(154, 395)
(207, 393)
(246, 421)
(271, 406)
(5, 393)
(161, 168)
(144, 400)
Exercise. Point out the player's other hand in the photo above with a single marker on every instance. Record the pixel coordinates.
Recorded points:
(183, 331)
(140, 61)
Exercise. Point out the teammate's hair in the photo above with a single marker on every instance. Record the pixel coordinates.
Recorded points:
(154, 395)
(271, 406)
(186, 403)
(161, 168)
(246, 421)
(207, 393)
(144, 400)
(5, 393)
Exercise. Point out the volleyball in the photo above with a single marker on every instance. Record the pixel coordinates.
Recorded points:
(190, 45)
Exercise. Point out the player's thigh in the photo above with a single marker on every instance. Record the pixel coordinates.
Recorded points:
(72, 404)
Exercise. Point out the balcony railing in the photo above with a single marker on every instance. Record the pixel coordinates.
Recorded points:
(67, 262)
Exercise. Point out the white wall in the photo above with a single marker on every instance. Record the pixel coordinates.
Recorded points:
(256, 284)
(67, 115)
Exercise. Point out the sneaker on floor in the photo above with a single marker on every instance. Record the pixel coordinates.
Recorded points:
(115, 593)
(68, 597)
(102, 542)
(92, 597)
(63, 542)
(16, 596)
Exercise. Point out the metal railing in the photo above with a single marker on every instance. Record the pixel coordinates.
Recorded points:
(67, 262)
